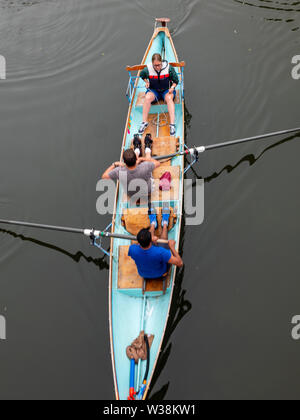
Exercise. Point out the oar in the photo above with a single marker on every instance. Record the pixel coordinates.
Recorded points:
(144, 384)
(132, 392)
(87, 232)
(201, 149)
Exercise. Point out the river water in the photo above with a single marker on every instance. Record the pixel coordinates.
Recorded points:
(62, 116)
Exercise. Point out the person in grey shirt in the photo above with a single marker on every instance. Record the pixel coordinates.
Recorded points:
(135, 174)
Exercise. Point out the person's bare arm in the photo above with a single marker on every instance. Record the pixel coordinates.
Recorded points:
(110, 168)
(175, 259)
(149, 159)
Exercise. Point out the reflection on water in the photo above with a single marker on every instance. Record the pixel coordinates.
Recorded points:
(179, 308)
(101, 263)
(273, 5)
(250, 158)
(19, 4)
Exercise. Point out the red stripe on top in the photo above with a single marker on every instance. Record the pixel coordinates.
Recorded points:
(162, 77)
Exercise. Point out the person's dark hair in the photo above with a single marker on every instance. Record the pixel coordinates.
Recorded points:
(129, 157)
(144, 238)
(156, 57)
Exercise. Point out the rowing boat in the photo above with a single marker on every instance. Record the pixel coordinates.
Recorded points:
(133, 305)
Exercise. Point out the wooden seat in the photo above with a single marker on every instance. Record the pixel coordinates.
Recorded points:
(135, 219)
(129, 278)
(141, 99)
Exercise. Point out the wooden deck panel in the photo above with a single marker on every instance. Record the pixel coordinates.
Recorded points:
(165, 145)
(129, 278)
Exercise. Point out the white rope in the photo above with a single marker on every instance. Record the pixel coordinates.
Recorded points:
(162, 119)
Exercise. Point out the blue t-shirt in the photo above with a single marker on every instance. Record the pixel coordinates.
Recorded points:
(151, 263)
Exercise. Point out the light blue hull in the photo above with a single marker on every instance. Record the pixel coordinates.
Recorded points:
(130, 310)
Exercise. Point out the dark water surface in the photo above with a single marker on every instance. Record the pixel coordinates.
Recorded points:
(62, 116)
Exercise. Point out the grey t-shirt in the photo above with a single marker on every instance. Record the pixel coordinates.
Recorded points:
(135, 180)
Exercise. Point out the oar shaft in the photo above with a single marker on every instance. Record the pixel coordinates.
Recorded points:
(169, 156)
(86, 232)
(202, 149)
(41, 226)
(248, 139)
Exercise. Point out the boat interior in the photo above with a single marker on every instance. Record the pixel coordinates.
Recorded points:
(132, 218)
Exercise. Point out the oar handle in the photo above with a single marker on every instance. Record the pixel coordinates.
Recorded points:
(162, 241)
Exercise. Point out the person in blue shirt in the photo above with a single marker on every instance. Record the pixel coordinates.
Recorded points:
(153, 261)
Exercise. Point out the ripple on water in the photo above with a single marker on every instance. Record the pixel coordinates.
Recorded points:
(52, 37)
(291, 8)
(177, 10)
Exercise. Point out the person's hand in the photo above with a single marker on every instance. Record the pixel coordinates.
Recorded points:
(154, 239)
(171, 243)
(116, 164)
(147, 84)
(171, 90)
